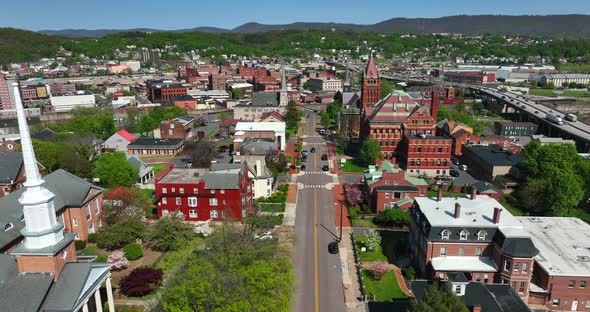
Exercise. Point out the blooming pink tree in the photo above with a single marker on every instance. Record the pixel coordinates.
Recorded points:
(379, 270)
(118, 260)
(354, 194)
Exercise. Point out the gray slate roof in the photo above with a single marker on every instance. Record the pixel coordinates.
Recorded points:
(10, 165)
(224, 176)
(265, 99)
(495, 155)
(256, 147)
(21, 292)
(145, 142)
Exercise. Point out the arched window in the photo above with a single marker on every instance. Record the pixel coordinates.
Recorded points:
(8, 227)
(445, 234)
(481, 235)
(463, 235)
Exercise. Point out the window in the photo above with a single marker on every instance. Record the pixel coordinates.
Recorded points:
(397, 195)
(75, 222)
(164, 190)
(164, 201)
(178, 200)
(440, 149)
(192, 213)
(192, 202)
(441, 276)
(463, 235)
(478, 277)
(91, 228)
(223, 214)
(173, 189)
(8, 227)
(516, 267)
(588, 304)
(446, 234)
(64, 254)
(165, 212)
(96, 207)
(214, 214)
(522, 287)
(181, 190)
(481, 235)
(525, 267)
(461, 251)
(222, 191)
(571, 284)
(583, 284)
(213, 202)
(457, 289)
(443, 251)
(244, 213)
(386, 195)
(196, 190)
(212, 191)
(507, 265)
(88, 214)
(478, 251)
(419, 150)
(486, 278)
(555, 302)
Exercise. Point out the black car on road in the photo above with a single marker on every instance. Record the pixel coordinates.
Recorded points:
(325, 167)
(324, 156)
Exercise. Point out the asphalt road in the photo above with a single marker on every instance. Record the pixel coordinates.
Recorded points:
(318, 273)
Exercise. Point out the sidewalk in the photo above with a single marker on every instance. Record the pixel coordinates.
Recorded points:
(291, 206)
(338, 196)
(350, 280)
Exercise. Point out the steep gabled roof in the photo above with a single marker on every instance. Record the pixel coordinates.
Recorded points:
(126, 135)
(396, 107)
(10, 165)
(371, 69)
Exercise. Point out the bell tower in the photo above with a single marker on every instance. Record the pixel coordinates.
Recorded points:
(371, 89)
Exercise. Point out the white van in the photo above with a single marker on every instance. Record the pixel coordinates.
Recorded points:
(463, 167)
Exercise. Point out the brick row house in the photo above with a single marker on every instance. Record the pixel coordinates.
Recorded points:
(391, 187)
(179, 127)
(223, 192)
(475, 237)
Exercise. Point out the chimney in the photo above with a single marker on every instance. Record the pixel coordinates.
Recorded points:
(439, 195)
(476, 308)
(434, 105)
(473, 193)
(497, 212)
(457, 210)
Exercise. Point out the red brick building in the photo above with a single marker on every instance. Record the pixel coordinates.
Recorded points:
(425, 154)
(179, 127)
(150, 147)
(159, 91)
(390, 187)
(218, 81)
(223, 192)
(371, 88)
(186, 102)
(472, 78)
(474, 237)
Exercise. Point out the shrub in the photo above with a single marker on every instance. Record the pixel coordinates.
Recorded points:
(392, 217)
(409, 273)
(80, 244)
(118, 260)
(169, 233)
(100, 259)
(379, 270)
(120, 234)
(371, 241)
(92, 238)
(283, 188)
(354, 211)
(133, 251)
(141, 282)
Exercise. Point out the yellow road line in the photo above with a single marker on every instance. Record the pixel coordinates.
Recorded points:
(315, 250)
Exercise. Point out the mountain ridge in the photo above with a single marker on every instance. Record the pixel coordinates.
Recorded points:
(547, 25)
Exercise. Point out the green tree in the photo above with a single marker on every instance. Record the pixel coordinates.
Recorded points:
(393, 217)
(370, 151)
(147, 124)
(113, 170)
(223, 116)
(306, 85)
(235, 272)
(77, 159)
(169, 233)
(386, 88)
(338, 96)
(439, 297)
(46, 153)
(237, 93)
(121, 233)
(325, 119)
(292, 116)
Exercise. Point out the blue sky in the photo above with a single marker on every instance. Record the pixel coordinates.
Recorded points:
(121, 14)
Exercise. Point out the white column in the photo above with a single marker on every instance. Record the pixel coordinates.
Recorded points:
(110, 300)
(85, 307)
(97, 300)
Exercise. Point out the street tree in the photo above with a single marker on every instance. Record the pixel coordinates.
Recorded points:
(201, 152)
(370, 151)
(292, 116)
(113, 169)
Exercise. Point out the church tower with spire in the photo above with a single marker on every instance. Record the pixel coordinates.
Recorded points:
(46, 248)
(371, 88)
(283, 93)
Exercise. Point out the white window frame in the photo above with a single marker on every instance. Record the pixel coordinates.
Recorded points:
(91, 228)
(178, 201)
(222, 191)
(213, 202)
(525, 267)
(181, 190)
(516, 267)
(164, 201)
(165, 212)
(164, 190)
(193, 213)
(507, 265)
(96, 206)
(192, 202)
(461, 251)
(463, 235)
(196, 190)
(445, 234)
(88, 212)
(443, 251)
(214, 214)
(481, 235)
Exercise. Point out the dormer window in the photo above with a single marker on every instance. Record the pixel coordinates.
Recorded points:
(8, 227)
(463, 235)
(445, 234)
(481, 235)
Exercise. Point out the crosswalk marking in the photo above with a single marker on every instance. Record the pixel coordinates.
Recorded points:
(315, 172)
(314, 186)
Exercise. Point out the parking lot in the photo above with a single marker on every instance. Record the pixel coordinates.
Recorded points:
(464, 177)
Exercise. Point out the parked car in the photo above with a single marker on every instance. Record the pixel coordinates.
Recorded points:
(302, 167)
(443, 178)
(453, 173)
(324, 156)
(463, 167)
(312, 150)
(304, 153)
(325, 167)
(304, 159)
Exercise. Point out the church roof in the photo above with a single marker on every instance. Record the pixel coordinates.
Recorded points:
(371, 69)
(396, 108)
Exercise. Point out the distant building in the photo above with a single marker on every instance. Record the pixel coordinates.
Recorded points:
(559, 79)
(325, 84)
(5, 98)
(471, 78)
(426, 155)
(389, 187)
(254, 153)
(145, 172)
(119, 141)
(160, 91)
(246, 89)
(218, 81)
(179, 127)
(150, 56)
(186, 102)
(486, 162)
(13, 172)
(474, 237)
(548, 140)
(67, 101)
(223, 192)
(262, 102)
(512, 128)
(146, 147)
(562, 268)
(274, 131)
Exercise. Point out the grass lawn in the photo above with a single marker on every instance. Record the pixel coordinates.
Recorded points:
(357, 222)
(550, 92)
(515, 211)
(272, 207)
(575, 67)
(339, 150)
(353, 165)
(385, 289)
(92, 250)
(370, 255)
(159, 167)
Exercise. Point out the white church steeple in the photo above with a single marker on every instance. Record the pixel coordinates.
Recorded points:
(283, 97)
(41, 227)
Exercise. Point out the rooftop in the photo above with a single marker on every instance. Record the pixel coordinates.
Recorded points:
(563, 243)
(464, 264)
(185, 175)
(496, 155)
(260, 126)
(145, 141)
